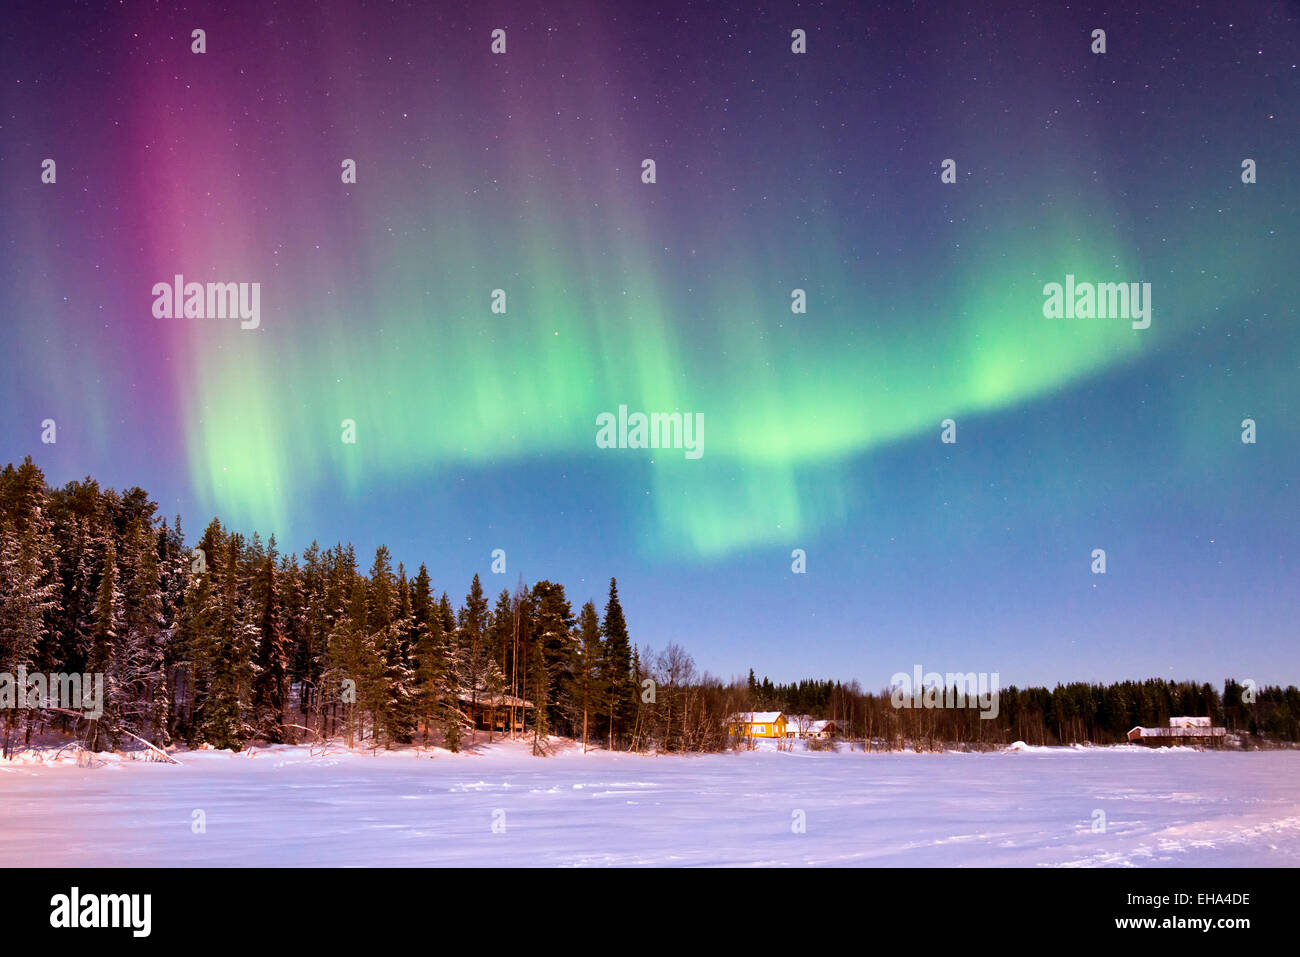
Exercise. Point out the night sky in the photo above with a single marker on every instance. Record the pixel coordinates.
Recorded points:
(775, 171)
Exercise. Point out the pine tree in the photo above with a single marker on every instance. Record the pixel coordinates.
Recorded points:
(242, 598)
(310, 651)
(145, 706)
(399, 670)
(501, 639)
(451, 733)
(173, 581)
(29, 584)
(473, 647)
(520, 644)
(589, 685)
(79, 565)
(404, 619)
(271, 681)
(105, 658)
(297, 646)
(217, 640)
(555, 636)
(639, 718)
(494, 686)
(193, 640)
(449, 705)
(350, 675)
(430, 652)
(622, 698)
(541, 699)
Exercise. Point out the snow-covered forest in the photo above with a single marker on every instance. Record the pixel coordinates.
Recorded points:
(231, 640)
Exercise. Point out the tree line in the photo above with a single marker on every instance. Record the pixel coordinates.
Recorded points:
(1075, 713)
(230, 641)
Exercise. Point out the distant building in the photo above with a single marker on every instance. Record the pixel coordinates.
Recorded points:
(493, 713)
(798, 725)
(759, 724)
(825, 729)
(805, 726)
(1181, 730)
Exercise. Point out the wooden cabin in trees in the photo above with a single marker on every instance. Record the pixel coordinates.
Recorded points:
(494, 713)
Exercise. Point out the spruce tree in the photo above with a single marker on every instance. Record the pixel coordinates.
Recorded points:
(104, 732)
(429, 653)
(350, 678)
(29, 583)
(501, 639)
(216, 635)
(146, 708)
(399, 674)
(590, 685)
(271, 682)
(622, 698)
(382, 684)
(555, 637)
(473, 646)
(540, 683)
(449, 703)
(294, 627)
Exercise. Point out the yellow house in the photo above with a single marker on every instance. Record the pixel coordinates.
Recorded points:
(759, 724)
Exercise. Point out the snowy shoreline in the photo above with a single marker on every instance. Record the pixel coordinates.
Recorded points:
(69, 752)
(293, 805)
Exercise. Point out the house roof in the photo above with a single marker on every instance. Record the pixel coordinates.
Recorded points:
(501, 701)
(758, 717)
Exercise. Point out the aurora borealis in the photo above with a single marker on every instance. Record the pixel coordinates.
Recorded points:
(775, 172)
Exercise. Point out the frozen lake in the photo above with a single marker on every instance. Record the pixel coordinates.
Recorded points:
(284, 807)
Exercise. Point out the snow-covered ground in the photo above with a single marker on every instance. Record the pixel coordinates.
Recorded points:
(1029, 807)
